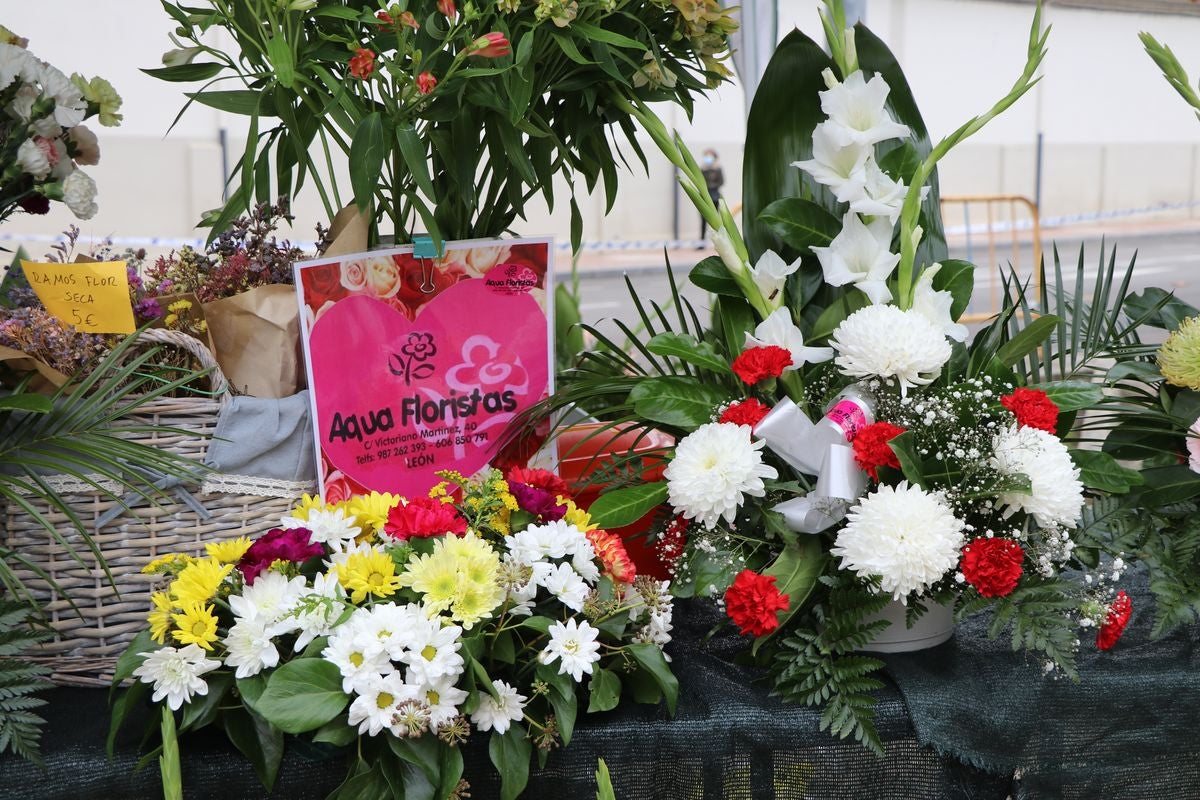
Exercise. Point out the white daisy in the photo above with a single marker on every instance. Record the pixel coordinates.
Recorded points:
(779, 330)
(435, 653)
(327, 527)
(574, 646)
(857, 109)
(396, 628)
(885, 342)
(904, 535)
(1056, 494)
(269, 598)
(565, 584)
(583, 560)
(714, 468)
(251, 649)
(500, 711)
(356, 656)
(316, 611)
(374, 709)
(521, 598)
(860, 254)
(442, 697)
(175, 673)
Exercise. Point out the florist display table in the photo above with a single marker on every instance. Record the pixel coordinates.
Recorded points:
(1126, 731)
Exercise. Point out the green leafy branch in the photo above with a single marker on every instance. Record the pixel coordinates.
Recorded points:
(1172, 70)
(20, 681)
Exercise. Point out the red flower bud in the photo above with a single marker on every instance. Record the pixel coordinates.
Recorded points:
(362, 63)
(408, 19)
(491, 45)
(448, 8)
(426, 83)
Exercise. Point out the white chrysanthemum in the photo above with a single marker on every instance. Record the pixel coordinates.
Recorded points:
(565, 584)
(251, 649)
(714, 467)
(885, 342)
(316, 611)
(442, 697)
(557, 539)
(332, 528)
(905, 535)
(1056, 495)
(396, 628)
(498, 713)
(175, 673)
(575, 647)
(269, 598)
(374, 708)
(356, 656)
(434, 654)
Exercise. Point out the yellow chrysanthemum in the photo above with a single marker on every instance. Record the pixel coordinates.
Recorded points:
(308, 503)
(160, 617)
(196, 625)
(229, 552)
(474, 601)
(1179, 356)
(460, 575)
(371, 510)
(199, 581)
(371, 572)
(577, 516)
(168, 564)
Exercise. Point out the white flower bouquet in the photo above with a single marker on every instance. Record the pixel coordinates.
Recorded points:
(42, 139)
(843, 443)
(401, 626)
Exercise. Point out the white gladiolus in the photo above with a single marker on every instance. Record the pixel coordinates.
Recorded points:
(779, 330)
(861, 255)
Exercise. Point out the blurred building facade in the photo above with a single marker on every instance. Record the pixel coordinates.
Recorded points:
(1113, 134)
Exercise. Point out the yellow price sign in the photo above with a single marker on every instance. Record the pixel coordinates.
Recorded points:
(91, 296)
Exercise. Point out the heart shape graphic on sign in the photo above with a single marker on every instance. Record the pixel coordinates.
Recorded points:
(398, 400)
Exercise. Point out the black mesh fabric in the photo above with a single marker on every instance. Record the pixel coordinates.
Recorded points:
(1126, 732)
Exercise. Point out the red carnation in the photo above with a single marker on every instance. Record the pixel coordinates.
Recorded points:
(1114, 624)
(753, 603)
(362, 63)
(612, 554)
(758, 363)
(993, 566)
(1033, 409)
(291, 544)
(871, 449)
(542, 479)
(746, 412)
(424, 516)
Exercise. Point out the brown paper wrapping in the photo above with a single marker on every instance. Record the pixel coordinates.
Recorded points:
(257, 338)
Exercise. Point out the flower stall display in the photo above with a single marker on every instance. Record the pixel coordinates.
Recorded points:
(848, 454)
(43, 141)
(449, 118)
(397, 627)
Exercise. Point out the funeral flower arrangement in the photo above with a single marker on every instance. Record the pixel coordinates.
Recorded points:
(841, 444)
(43, 141)
(450, 116)
(397, 628)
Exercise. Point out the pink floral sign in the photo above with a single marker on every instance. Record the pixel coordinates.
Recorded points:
(418, 366)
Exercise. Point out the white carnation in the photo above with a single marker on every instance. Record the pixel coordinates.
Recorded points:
(1056, 495)
(905, 535)
(885, 342)
(13, 60)
(713, 469)
(79, 193)
(32, 159)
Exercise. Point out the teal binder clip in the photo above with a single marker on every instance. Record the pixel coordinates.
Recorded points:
(426, 252)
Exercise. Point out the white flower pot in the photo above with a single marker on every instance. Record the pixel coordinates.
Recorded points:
(934, 627)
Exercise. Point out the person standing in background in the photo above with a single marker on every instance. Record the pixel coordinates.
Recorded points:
(710, 166)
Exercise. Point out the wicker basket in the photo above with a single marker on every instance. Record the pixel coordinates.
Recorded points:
(87, 641)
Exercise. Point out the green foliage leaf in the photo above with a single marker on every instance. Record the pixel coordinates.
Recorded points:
(1101, 471)
(800, 224)
(183, 73)
(685, 347)
(367, 153)
(605, 690)
(650, 658)
(1159, 308)
(1072, 395)
(957, 278)
(413, 153)
(279, 53)
(1169, 485)
(510, 752)
(243, 102)
(679, 402)
(1028, 340)
(836, 312)
(620, 507)
(905, 448)
(712, 275)
(303, 695)
(796, 571)
(259, 741)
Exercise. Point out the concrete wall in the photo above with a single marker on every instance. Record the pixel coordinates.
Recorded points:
(1115, 135)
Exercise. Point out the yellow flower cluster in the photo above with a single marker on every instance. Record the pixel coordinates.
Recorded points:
(370, 511)
(169, 564)
(577, 516)
(184, 610)
(368, 572)
(461, 576)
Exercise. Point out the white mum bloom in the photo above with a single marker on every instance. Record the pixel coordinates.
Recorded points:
(316, 611)
(843, 168)
(935, 305)
(779, 330)
(500, 711)
(375, 706)
(565, 584)
(442, 697)
(251, 649)
(434, 654)
(770, 274)
(175, 673)
(397, 628)
(356, 656)
(32, 159)
(327, 527)
(905, 535)
(1056, 494)
(857, 110)
(269, 598)
(557, 539)
(574, 646)
(79, 193)
(714, 468)
(860, 254)
(885, 342)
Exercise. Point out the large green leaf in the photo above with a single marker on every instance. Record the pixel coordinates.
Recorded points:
(783, 114)
(621, 507)
(800, 224)
(183, 73)
(796, 571)
(303, 695)
(259, 741)
(1072, 395)
(650, 658)
(836, 312)
(367, 152)
(604, 690)
(1101, 471)
(875, 57)
(685, 347)
(680, 402)
(712, 275)
(237, 101)
(510, 752)
(1029, 339)
(957, 278)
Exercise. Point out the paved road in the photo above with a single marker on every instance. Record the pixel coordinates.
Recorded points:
(1168, 259)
